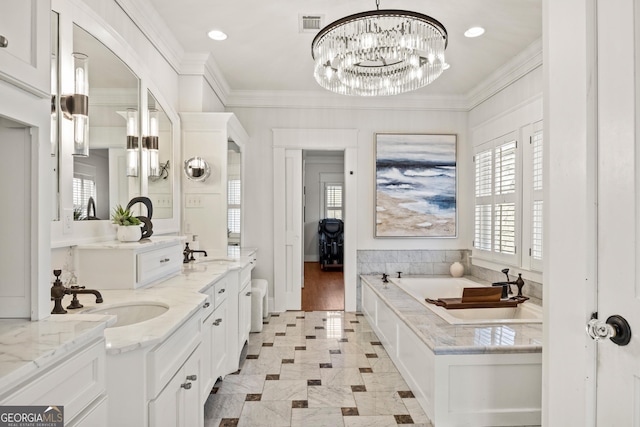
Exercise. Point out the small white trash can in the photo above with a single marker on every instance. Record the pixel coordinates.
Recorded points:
(259, 303)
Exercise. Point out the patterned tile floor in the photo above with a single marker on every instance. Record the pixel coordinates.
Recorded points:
(314, 369)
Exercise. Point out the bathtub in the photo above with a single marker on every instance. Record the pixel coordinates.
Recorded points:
(434, 288)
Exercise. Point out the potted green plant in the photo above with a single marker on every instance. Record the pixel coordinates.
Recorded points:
(128, 225)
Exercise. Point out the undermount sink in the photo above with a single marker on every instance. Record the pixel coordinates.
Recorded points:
(132, 313)
(216, 260)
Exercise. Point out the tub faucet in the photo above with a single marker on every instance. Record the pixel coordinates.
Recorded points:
(519, 282)
(385, 278)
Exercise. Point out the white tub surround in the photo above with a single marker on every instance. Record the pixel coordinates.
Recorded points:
(433, 288)
(471, 375)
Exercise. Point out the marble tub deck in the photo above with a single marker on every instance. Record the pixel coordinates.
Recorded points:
(444, 338)
(314, 369)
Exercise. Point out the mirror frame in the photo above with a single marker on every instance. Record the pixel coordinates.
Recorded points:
(67, 232)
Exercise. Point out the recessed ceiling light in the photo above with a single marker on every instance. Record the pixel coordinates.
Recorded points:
(217, 35)
(474, 32)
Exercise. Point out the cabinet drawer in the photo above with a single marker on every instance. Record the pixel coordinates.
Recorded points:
(220, 291)
(74, 383)
(168, 356)
(158, 263)
(245, 274)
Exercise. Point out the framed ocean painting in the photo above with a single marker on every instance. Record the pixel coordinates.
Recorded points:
(415, 185)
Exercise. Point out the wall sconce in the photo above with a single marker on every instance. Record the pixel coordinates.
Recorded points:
(76, 106)
(151, 143)
(197, 169)
(132, 142)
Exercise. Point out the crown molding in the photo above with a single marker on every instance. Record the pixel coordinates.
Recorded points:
(521, 64)
(151, 24)
(203, 64)
(325, 99)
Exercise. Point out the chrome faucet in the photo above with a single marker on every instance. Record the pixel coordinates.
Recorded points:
(58, 291)
(188, 254)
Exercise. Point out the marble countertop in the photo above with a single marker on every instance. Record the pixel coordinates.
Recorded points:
(444, 338)
(27, 346)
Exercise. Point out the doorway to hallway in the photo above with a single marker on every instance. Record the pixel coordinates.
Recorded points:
(323, 203)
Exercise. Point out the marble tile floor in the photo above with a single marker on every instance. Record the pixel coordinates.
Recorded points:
(314, 369)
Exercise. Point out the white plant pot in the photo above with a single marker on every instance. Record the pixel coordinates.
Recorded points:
(129, 233)
(456, 269)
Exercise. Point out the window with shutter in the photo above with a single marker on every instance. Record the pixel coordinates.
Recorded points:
(333, 200)
(509, 199)
(536, 197)
(496, 183)
(233, 209)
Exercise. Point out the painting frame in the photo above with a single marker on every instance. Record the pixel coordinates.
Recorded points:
(416, 185)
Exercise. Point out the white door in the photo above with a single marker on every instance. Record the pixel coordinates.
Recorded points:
(15, 227)
(618, 176)
(288, 216)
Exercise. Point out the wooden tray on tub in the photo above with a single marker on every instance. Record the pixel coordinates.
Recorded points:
(483, 297)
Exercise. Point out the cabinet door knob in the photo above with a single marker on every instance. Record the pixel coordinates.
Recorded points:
(206, 304)
(165, 260)
(217, 322)
(248, 294)
(4, 42)
(186, 386)
(221, 291)
(192, 377)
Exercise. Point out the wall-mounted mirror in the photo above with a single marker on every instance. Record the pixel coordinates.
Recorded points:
(160, 180)
(101, 178)
(197, 169)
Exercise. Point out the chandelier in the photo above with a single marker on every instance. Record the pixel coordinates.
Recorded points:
(379, 53)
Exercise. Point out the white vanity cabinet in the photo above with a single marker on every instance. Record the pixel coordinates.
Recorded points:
(25, 25)
(159, 385)
(78, 383)
(138, 263)
(244, 305)
(179, 403)
(215, 336)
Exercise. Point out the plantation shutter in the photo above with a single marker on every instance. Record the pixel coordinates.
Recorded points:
(333, 200)
(538, 203)
(496, 197)
(505, 189)
(233, 207)
(484, 199)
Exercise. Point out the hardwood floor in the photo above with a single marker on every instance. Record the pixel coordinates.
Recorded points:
(323, 290)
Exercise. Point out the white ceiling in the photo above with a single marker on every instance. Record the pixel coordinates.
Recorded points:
(265, 50)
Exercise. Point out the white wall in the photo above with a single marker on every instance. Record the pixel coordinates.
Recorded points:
(259, 123)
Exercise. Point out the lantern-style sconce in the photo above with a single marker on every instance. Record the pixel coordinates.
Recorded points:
(133, 152)
(76, 106)
(151, 143)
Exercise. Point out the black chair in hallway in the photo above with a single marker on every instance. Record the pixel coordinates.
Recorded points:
(331, 242)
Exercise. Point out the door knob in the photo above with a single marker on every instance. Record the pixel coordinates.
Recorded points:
(616, 328)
